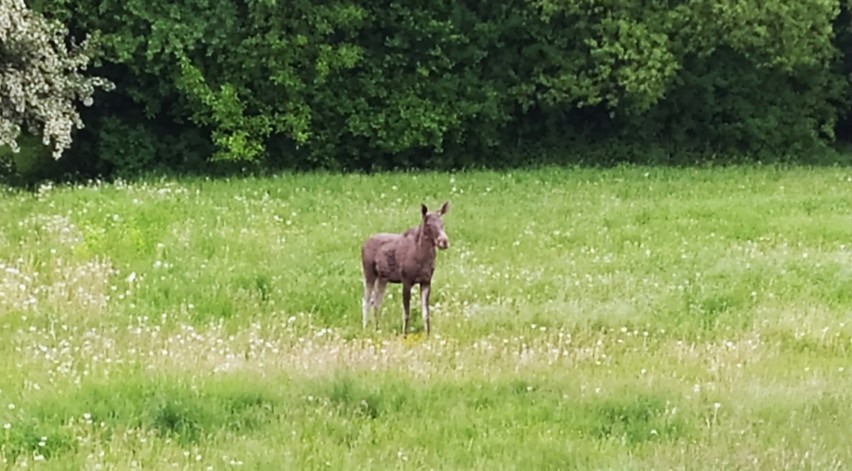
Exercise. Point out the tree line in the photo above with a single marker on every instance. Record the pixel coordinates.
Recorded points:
(353, 84)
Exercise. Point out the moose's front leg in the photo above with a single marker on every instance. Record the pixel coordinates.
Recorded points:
(425, 288)
(406, 306)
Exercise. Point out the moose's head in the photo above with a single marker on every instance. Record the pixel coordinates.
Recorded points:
(433, 226)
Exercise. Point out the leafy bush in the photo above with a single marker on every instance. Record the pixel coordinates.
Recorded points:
(355, 85)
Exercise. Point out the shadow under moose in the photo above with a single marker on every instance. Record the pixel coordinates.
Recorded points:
(407, 258)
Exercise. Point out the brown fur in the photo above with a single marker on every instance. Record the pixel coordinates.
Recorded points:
(407, 258)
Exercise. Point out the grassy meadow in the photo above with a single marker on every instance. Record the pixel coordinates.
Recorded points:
(626, 319)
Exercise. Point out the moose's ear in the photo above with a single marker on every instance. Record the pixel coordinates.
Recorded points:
(444, 208)
(423, 209)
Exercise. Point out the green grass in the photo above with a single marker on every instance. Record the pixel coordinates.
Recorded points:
(631, 318)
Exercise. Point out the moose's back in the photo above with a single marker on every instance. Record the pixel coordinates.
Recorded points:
(379, 257)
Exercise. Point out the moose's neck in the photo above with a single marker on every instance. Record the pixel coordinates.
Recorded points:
(425, 247)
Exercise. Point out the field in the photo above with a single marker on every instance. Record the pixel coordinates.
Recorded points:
(630, 318)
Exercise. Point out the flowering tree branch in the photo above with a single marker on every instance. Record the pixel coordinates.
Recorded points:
(41, 78)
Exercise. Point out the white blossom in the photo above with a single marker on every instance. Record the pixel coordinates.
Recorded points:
(41, 78)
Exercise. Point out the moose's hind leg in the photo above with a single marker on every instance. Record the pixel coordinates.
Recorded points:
(365, 303)
(406, 306)
(378, 296)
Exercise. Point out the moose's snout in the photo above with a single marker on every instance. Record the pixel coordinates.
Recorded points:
(443, 241)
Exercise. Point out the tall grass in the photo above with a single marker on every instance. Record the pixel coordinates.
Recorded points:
(632, 318)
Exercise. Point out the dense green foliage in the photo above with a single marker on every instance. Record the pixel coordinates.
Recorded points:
(351, 84)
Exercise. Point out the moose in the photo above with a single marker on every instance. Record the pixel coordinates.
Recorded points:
(407, 258)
